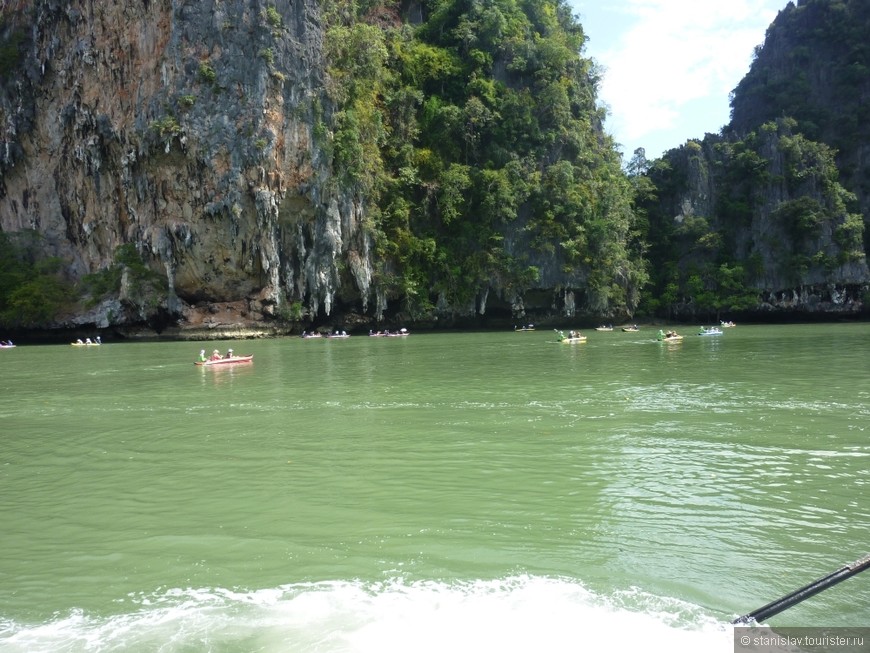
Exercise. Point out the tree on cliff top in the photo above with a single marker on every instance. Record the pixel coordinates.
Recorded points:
(477, 136)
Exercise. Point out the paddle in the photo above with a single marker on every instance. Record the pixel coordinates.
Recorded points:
(805, 592)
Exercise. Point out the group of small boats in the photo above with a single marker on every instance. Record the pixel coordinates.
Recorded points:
(573, 336)
(216, 359)
(317, 334)
(389, 334)
(627, 329)
(609, 327)
(673, 336)
(344, 334)
(87, 342)
(662, 336)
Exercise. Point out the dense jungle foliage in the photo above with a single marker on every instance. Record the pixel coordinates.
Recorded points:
(475, 136)
(779, 213)
(483, 132)
(35, 291)
(32, 287)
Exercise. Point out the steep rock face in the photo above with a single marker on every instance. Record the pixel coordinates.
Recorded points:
(814, 66)
(188, 129)
(771, 206)
(204, 134)
(763, 210)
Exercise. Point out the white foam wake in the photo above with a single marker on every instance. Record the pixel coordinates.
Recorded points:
(518, 614)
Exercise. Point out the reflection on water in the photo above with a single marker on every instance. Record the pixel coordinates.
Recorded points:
(217, 374)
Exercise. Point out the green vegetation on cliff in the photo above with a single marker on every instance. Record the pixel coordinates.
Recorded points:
(780, 201)
(32, 287)
(778, 219)
(476, 139)
(814, 67)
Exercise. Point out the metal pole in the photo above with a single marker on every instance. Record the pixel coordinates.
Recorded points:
(805, 592)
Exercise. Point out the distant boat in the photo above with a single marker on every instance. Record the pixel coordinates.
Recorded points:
(390, 334)
(226, 361)
(527, 327)
(670, 336)
(572, 337)
(87, 343)
(727, 324)
(712, 331)
(604, 328)
(631, 328)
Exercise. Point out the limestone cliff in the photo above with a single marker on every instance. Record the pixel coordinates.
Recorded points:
(185, 128)
(814, 66)
(207, 135)
(773, 214)
(762, 224)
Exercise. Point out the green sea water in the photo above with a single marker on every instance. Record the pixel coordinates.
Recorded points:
(380, 494)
